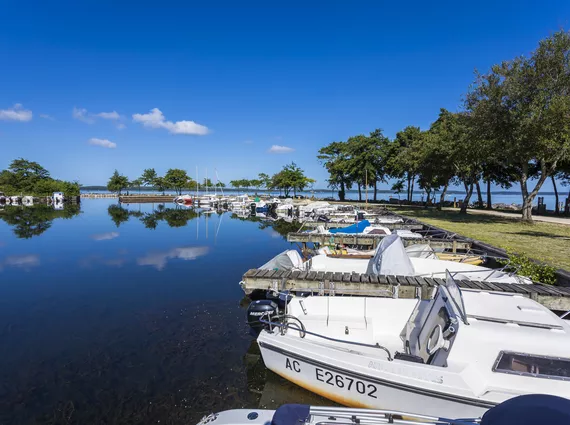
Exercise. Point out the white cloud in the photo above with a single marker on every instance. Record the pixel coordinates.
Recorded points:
(105, 236)
(47, 117)
(109, 115)
(280, 149)
(81, 114)
(159, 259)
(121, 126)
(155, 119)
(102, 142)
(16, 113)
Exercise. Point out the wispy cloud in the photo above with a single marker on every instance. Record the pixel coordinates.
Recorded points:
(155, 119)
(102, 142)
(104, 236)
(82, 115)
(109, 115)
(158, 260)
(47, 117)
(280, 149)
(16, 113)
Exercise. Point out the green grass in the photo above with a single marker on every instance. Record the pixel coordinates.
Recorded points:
(546, 242)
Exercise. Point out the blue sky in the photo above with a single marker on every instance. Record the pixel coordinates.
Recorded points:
(214, 84)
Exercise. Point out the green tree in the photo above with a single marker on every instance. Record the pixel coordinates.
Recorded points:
(335, 159)
(176, 179)
(291, 178)
(136, 183)
(220, 184)
(265, 179)
(403, 157)
(148, 177)
(522, 106)
(161, 184)
(117, 183)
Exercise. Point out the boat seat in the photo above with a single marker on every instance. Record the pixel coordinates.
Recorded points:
(347, 313)
(386, 317)
(310, 309)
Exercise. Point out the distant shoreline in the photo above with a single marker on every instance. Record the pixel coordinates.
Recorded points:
(87, 189)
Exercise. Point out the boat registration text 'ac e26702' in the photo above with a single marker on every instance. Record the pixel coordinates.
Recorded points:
(336, 380)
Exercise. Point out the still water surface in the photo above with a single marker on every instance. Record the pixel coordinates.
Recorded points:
(130, 315)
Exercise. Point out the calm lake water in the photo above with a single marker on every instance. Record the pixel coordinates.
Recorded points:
(130, 314)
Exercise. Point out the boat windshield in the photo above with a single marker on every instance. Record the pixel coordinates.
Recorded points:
(533, 365)
(456, 297)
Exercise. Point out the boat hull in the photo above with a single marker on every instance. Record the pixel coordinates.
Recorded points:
(354, 389)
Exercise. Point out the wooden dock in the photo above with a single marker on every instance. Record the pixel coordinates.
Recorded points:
(552, 297)
(336, 225)
(145, 199)
(374, 240)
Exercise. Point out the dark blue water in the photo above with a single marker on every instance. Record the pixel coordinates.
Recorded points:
(130, 314)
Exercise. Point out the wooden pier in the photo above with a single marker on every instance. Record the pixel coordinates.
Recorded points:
(336, 225)
(145, 199)
(552, 297)
(374, 240)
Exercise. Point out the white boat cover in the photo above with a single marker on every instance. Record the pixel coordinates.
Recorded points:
(421, 251)
(408, 234)
(287, 260)
(391, 258)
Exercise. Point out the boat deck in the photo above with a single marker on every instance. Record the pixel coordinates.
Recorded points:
(552, 297)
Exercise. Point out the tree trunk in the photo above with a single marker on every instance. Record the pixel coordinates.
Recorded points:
(479, 195)
(489, 203)
(375, 190)
(468, 193)
(359, 193)
(428, 196)
(408, 196)
(442, 197)
(412, 191)
(556, 208)
(528, 198)
(342, 192)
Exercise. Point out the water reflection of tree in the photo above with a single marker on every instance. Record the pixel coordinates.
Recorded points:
(28, 222)
(174, 217)
(280, 226)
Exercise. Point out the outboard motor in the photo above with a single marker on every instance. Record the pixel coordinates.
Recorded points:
(280, 298)
(261, 308)
(323, 218)
(359, 216)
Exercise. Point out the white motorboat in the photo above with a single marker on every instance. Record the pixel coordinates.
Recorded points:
(184, 200)
(455, 355)
(58, 198)
(391, 258)
(522, 410)
(28, 201)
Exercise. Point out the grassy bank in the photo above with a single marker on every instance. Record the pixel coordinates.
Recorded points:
(542, 241)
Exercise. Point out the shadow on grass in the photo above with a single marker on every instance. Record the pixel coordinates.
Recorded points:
(541, 235)
(456, 217)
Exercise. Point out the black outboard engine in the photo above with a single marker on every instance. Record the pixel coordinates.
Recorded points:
(323, 218)
(359, 216)
(265, 309)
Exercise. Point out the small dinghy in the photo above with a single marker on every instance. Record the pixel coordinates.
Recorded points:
(523, 410)
(455, 355)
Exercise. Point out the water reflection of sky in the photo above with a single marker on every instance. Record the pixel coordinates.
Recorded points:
(109, 309)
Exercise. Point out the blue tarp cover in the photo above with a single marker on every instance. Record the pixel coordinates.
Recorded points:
(291, 414)
(355, 228)
(532, 409)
